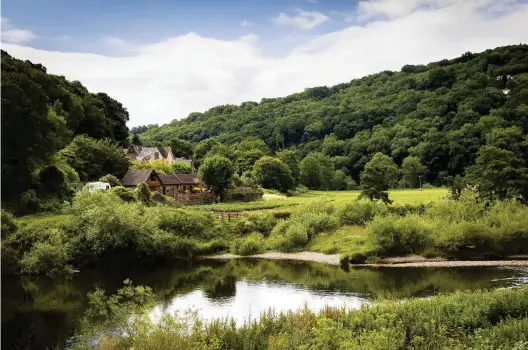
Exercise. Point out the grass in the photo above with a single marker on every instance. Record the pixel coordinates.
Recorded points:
(464, 320)
(340, 198)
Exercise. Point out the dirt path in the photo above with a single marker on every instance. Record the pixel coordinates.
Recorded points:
(407, 261)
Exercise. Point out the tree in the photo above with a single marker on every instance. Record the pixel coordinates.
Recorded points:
(143, 193)
(272, 173)
(341, 181)
(181, 148)
(289, 158)
(181, 168)
(53, 183)
(316, 171)
(201, 149)
(159, 165)
(135, 140)
(411, 169)
(93, 158)
(379, 173)
(216, 171)
(499, 174)
(111, 179)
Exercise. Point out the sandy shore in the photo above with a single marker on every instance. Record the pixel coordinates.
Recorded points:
(407, 261)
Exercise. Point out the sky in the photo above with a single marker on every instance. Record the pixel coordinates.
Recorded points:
(165, 59)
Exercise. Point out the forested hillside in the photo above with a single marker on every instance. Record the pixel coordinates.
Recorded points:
(442, 113)
(41, 114)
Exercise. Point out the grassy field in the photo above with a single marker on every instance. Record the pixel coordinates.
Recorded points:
(340, 198)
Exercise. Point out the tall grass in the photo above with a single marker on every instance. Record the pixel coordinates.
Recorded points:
(464, 320)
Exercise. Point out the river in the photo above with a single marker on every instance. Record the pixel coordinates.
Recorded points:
(40, 312)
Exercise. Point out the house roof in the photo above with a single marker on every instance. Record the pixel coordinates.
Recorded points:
(135, 176)
(188, 179)
(169, 179)
(140, 152)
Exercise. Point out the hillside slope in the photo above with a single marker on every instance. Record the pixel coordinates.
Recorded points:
(441, 113)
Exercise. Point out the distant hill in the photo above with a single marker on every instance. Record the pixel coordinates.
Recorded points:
(441, 112)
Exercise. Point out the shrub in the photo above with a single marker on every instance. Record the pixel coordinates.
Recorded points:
(466, 239)
(407, 208)
(360, 212)
(295, 236)
(320, 206)
(124, 193)
(183, 222)
(29, 202)
(509, 221)
(45, 257)
(249, 245)
(393, 235)
(143, 193)
(281, 214)
(263, 223)
(315, 224)
(8, 224)
(111, 179)
(159, 198)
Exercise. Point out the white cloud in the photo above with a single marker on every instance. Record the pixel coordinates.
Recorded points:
(368, 9)
(246, 23)
(304, 20)
(15, 35)
(166, 80)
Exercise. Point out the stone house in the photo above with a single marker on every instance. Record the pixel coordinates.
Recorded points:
(140, 153)
(134, 176)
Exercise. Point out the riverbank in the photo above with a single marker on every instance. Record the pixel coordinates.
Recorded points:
(405, 261)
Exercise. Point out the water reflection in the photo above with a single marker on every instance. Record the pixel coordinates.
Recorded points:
(38, 312)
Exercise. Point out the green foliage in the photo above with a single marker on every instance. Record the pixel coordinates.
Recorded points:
(159, 165)
(392, 235)
(316, 171)
(272, 173)
(262, 223)
(499, 174)
(380, 172)
(40, 114)
(360, 212)
(216, 171)
(248, 245)
(181, 168)
(8, 224)
(45, 258)
(464, 320)
(126, 194)
(289, 158)
(111, 179)
(93, 158)
(181, 148)
(411, 169)
(143, 193)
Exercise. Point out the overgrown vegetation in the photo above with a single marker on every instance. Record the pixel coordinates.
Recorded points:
(475, 320)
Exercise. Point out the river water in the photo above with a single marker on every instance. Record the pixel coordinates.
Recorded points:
(40, 312)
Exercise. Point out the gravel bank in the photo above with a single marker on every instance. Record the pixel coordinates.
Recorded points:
(407, 261)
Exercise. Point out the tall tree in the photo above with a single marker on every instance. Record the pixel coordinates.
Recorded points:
(379, 173)
(216, 171)
(272, 173)
(411, 169)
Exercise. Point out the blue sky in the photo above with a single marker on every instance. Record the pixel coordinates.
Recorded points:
(84, 26)
(165, 59)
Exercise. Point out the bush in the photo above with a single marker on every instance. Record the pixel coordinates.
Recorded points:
(361, 212)
(124, 193)
(45, 258)
(8, 224)
(111, 179)
(392, 235)
(249, 245)
(315, 224)
(407, 208)
(262, 223)
(282, 214)
(143, 193)
(294, 237)
(159, 198)
(466, 240)
(29, 202)
(187, 223)
(509, 221)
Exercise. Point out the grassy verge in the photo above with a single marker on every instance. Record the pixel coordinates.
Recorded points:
(469, 320)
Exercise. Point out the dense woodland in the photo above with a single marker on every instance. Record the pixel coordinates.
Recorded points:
(455, 122)
(43, 114)
(450, 114)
